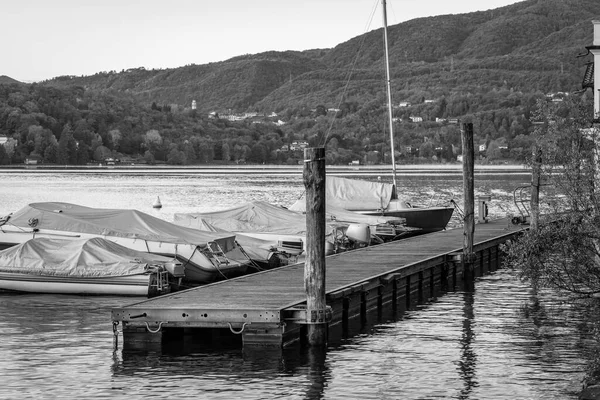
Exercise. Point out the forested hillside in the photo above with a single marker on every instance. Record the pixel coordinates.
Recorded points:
(487, 67)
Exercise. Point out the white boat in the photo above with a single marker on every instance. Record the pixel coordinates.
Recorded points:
(377, 199)
(206, 256)
(264, 252)
(87, 267)
(287, 228)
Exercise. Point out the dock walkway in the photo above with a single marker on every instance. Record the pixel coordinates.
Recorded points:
(269, 307)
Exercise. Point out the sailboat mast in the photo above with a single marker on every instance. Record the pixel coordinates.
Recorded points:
(389, 92)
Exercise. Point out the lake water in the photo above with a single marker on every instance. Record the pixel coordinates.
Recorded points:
(498, 340)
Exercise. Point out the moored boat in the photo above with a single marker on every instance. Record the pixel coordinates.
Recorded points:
(378, 199)
(286, 228)
(93, 266)
(206, 256)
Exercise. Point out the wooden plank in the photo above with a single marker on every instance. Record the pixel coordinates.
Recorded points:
(269, 292)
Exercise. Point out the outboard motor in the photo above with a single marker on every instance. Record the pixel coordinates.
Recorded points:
(359, 233)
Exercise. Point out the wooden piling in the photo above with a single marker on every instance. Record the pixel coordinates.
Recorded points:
(314, 267)
(469, 196)
(536, 177)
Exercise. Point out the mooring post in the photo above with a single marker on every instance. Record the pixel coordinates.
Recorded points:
(536, 177)
(314, 267)
(469, 194)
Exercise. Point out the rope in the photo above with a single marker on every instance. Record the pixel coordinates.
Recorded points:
(157, 329)
(255, 265)
(240, 331)
(352, 69)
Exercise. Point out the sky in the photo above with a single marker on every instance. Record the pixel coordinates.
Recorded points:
(43, 39)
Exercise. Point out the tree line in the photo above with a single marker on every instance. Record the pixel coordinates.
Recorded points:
(77, 126)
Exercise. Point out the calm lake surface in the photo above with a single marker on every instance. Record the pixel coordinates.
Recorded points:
(498, 340)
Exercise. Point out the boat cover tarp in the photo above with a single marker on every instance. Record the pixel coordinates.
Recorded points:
(113, 222)
(263, 217)
(255, 217)
(257, 249)
(353, 194)
(86, 258)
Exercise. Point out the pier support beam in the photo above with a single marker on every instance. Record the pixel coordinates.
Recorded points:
(314, 267)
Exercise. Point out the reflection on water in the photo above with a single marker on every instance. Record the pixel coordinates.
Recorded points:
(496, 340)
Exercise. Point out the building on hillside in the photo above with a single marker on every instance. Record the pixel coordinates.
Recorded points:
(33, 159)
(298, 145)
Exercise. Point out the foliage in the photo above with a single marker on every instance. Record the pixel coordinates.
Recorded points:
(563, 252)
(489, 68)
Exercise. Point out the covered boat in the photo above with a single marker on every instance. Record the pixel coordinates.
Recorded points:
(85, 266)
(206, 256)
(264, 253)
(287, 228)
(378, 198)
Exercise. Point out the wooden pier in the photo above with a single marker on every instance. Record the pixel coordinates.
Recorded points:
(269, 308)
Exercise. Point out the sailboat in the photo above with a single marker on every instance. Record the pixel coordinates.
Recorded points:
(380, 198)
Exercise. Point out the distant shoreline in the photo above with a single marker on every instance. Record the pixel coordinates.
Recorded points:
(368, 170)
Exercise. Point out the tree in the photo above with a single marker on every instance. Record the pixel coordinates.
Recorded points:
(51, 153)
(115, 136)
(226, 152)
(149, 158)
(563, 250)
(67, 147)
(4, 158)
(102, 153)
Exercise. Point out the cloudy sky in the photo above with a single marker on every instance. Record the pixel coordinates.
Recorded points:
(47, 38)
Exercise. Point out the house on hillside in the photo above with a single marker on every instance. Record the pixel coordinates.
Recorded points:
(298, 146)
(33, 159)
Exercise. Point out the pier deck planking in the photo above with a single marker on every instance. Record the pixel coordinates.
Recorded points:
(267, 299)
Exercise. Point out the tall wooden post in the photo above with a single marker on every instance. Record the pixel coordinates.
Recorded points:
(535, 187)
(468, 151)
(314, 267)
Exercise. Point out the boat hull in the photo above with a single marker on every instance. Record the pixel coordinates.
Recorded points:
(429, 219)
(197, 266)
(134, 285)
